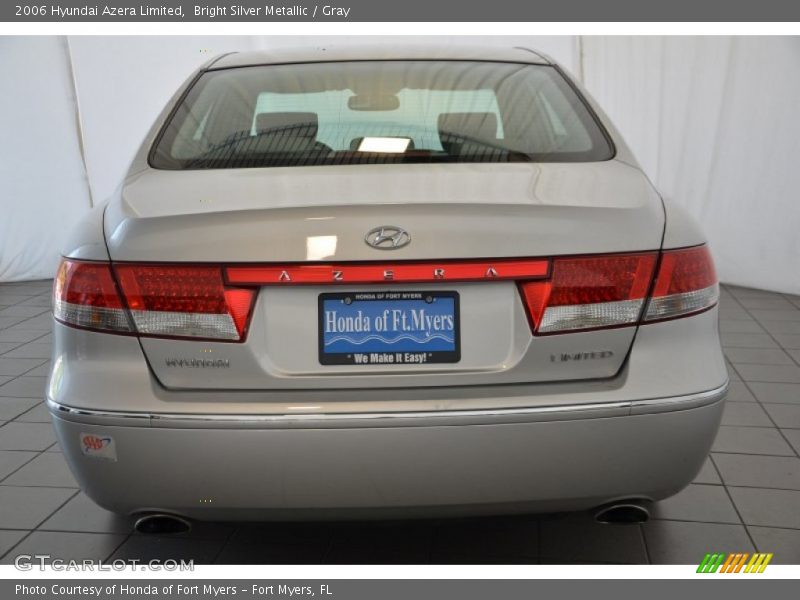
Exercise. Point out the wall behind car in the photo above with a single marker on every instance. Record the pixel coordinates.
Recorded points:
(712, 120)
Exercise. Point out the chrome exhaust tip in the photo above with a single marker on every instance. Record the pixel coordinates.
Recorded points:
(162, 524)
(622, 513)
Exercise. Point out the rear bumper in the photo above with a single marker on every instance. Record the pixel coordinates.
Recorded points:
(391, 464)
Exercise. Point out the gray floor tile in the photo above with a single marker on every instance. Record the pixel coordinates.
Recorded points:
(777, 393)
(254, 553)
(747, 292)
(767, 316)
(13, 367)
(12, 297)
(755, 356)
(42, 370)
(734, 313)
(738, 392)
(9, 538)
(26, 507)
(745, 413)
(26, 436)
(747, 340)
(788, 340)
(759, 471)
(37, 414)
(773, 508)
(47, 469)
(498, 538)
(381, 543)
(739, 326)
(22, 310)
(82, 514)
(45, 300)
(783, 543)
(751, 440)
(145, 548)
(35, 349)
(677, 542)
(11, 408)
(708, 474)
(24, 387)
(4, 379)
(11, 460)
(579, 537)
(784, 415)
(781, 327)
(794, 299)
(707, 503)
(795, 354)
(19, 335)
(8, 346)
(768, 303)
(67, 546)
(793, 435)
(771, 373)
(41, 323)
(6, 322)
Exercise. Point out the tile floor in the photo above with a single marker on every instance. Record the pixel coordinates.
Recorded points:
(747, 496)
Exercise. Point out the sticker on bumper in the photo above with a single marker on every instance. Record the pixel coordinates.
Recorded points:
(98, 446)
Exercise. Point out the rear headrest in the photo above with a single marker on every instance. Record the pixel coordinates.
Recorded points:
(478, 125)
(305, 123)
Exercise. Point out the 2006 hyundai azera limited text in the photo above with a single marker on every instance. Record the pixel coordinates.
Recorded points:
(359, 283)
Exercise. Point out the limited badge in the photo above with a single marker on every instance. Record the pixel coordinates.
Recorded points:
(98, 446)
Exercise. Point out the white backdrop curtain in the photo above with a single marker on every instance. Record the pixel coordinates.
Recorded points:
(715, 123)
(712, 120)
(43, 185)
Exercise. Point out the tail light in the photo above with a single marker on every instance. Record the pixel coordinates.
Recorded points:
(686, 284)
(611, 291)
(162, 300)
(85, 295)
(590, 292)
(184, 301)
(210, 302)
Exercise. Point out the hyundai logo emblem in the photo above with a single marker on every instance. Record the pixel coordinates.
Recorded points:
(387, 237)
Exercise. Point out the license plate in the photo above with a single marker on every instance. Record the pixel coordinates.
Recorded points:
(370, 328)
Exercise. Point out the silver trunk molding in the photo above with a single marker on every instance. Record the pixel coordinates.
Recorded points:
(371, 419)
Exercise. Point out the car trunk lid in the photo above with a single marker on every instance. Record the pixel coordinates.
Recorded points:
(319, 215)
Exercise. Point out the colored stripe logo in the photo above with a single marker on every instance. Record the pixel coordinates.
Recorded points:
(737, 562)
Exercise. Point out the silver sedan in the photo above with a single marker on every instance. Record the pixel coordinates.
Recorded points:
(355, 283)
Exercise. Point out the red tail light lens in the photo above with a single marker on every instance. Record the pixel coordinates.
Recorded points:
(686, 284)
(84, 295)
(185, 301)
(197, 302)
(590, 292)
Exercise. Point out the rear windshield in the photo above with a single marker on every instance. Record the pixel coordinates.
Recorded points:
(341, 113)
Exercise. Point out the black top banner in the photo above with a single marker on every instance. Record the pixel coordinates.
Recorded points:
(402, 11)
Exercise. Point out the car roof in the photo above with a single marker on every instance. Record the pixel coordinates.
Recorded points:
(385, 52)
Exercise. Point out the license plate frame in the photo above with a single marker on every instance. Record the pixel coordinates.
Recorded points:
(403, 351)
